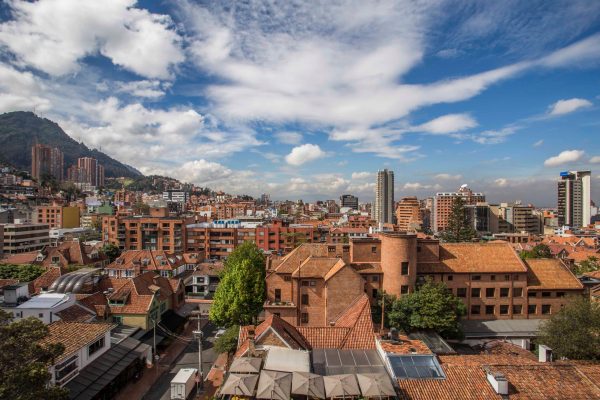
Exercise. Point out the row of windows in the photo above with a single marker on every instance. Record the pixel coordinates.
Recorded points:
(503, 292)
(517, 309)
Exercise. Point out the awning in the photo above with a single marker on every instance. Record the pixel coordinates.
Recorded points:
(375, 385)
(288, 360)
(341, 386)
(102, 371)
(506, 328)
(246, 365)
(274, 385)
(307, 384)
(239, 385)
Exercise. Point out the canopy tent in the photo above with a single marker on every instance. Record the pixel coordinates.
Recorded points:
(307, 384)
(375, 385)
(246, 365)
(274, 385)
(239, 385)
(344, 385)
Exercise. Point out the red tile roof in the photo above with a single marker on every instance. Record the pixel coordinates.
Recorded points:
(96, 301)
(76, 313)
(47, 278)
(74, 335)
(475, 258)
(550, 273)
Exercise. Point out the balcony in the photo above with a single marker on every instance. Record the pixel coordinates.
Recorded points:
(279, 304)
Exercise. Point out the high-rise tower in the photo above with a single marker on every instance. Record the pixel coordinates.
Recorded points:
(384, 197)
(574, 201)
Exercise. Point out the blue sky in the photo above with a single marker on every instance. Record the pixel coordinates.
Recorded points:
(309, 100)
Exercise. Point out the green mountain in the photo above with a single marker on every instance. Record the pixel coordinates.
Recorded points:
(20, 130)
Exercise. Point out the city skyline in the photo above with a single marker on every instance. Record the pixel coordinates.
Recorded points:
(309, 102)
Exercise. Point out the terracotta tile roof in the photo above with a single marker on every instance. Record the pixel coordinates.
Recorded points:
(96, 301)
(475, 258)
(461, 383)
(335, 269)
(147, 260)
(405, 345)
(528, 379)
(367, 268)
(71, 253)
(315, 267)
(282, 328)
(74, 335)
(47, 278)
(325, 337)
(292, 261)
(8, 282)
(578, 255)
(353, 329)
(76, 313)
(593, 274)
(20, 258)
(550, 273)
(209, 269)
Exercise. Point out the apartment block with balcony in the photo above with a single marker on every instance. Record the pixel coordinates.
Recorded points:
(23, 238)
(57, 216)
(145, 233)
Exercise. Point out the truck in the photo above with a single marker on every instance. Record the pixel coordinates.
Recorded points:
(183, 383)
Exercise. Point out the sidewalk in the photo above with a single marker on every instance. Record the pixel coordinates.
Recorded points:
(137, 390)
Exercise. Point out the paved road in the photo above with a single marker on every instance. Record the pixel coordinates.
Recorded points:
(161, 390)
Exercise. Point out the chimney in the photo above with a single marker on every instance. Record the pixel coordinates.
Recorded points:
(251, 344)
(545, 353)
(498, 382)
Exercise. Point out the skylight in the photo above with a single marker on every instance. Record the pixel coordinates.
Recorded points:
(416, 367)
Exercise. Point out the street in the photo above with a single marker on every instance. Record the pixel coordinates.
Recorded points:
(160, 390)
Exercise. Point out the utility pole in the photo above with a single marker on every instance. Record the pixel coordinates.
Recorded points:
(198, 335)
(154, 337)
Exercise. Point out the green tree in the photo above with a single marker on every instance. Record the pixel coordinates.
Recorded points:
(141, 208)
(227, 343)
(574, 332)
(22, 273)
(591, 264)
(459, 227)
(432, 306)
(24, 362)
(111, 251)
(538, 251)
(240, 296)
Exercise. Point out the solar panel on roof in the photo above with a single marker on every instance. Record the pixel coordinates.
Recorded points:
(416, 367)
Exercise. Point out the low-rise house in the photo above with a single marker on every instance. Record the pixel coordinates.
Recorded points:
(204, 280)
(140, 301)
(83, 342)
(132, 263)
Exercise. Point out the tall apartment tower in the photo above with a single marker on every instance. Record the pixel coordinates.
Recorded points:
(574, 201)
(384, 197)
(408, 214)
(46, 160)
(443, 201)
(88, 171)
(350, 201)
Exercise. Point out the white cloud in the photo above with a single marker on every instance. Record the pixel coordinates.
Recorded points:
(289, 137)
(304, 153)
(562, 107)
(501, 182)
(565, 157)
(364, 175)
(494, 136)
(414, 186)
(538, 143)
(54, 35)
(595, 160)
(151, 89)
(448, 177)
(448, 124)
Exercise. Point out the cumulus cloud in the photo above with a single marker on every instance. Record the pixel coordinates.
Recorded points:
(562, 107)
(538, 143)
(595, 160)
(151, 89)
(304, 153)
(565, 157)
(54, 35)
(501, 182)
(448, 124)
(288, 137)
(363, 175)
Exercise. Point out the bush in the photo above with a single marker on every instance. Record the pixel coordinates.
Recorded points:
(227, 343)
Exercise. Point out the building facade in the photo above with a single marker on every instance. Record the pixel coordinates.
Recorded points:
(443, 201)
(574, 199)
(408, 214)
(46, 161)
(384, 197)
(21, 238)
(350, 201)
